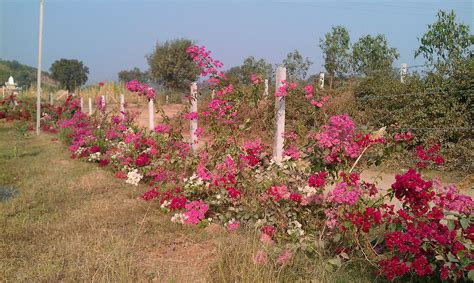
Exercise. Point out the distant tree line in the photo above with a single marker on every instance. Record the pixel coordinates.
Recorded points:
(24, 75)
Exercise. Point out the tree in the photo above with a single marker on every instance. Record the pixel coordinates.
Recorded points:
(234, 75)
(296, 66)
(335, 47)
(254, 66)
(446, 42)
(372, 54)
(69, 73)
(171, 66)
(134, 74)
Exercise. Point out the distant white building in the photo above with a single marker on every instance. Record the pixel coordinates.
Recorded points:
(10, 87)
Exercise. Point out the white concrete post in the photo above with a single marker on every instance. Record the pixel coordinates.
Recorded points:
(122, 105)
(213, 94)
(321, 80)
(193, 124)
(403, 72)
(265, 92)
(38, 69)
(151, 114)
(103, 101)
(82, 105)
(90, 106)
(167, 100)
(279, 115)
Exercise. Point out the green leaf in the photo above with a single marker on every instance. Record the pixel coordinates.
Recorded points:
(470, 275)
(451, 225)
(344, 255)
(335, 261)
(424, 246)
(464, 223)
(452, 258)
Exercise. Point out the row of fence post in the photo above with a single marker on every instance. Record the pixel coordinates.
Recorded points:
(278, 141)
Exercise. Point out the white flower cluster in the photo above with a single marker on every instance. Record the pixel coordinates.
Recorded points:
(133, 177)
(307, 190)
(94, 157)
(280, 163)
(79, 150)
(217, 199)
(194, 181)
(179, 218)
(165, 204)
(296, 229)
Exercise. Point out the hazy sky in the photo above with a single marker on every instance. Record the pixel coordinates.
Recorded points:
(109, 36)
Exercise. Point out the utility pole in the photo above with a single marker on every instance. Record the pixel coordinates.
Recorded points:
(38, 78)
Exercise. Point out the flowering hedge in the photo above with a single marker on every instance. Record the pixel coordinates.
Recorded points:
(313, 201)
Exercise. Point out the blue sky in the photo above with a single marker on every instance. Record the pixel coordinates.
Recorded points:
(113, 35)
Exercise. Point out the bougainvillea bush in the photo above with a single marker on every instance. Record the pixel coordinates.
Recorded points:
(310, 202)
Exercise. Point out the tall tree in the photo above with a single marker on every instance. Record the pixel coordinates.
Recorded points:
(372, 54)
(171, 66)
(133, 74)
(234, 75)
(254, 66)
(335, 47)
(69, 73)
(296, 66)
(446, 42)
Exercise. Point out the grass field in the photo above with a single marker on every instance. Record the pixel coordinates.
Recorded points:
(74, 221)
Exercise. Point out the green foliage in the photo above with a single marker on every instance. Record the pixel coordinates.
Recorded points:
(241, 74)
(335, 47)
(252, 66)
(70, 73)
(24, 75)
(171, 66)
(234, 75)
(445, 42)
(133, 74)
(372, 54)
(436, 113)
(296, 66)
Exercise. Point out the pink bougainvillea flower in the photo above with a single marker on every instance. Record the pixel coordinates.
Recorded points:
(260, 258)
(266, 240)
(284, 257)
(233, 225)
(195, 211)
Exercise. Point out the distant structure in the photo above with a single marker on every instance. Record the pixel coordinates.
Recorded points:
(10, 87)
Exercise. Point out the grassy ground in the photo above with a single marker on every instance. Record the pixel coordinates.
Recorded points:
(73, 221)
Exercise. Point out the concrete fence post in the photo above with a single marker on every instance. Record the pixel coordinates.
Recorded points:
(321, 80)
(122, 105)
(151, 114)
(265, 91)
(90, 106)
(193, 123)
(403, 72)
(278, 141)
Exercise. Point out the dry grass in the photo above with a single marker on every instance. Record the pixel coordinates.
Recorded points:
(74, 221)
